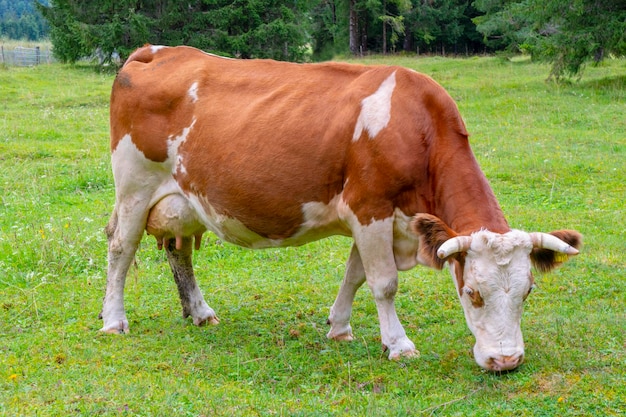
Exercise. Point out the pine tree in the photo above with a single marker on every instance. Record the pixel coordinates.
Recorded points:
(245, 28)
(19, 19)
(566, 33)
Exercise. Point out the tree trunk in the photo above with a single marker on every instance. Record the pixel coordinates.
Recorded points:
(407, 45)
(384, 27)
(354, 28)
(384, 38)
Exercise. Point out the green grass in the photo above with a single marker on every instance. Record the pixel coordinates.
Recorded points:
(553, 153)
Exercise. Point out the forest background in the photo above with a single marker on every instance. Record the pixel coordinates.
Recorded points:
(566, 33)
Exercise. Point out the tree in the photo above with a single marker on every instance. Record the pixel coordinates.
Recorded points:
(19, 19)
(390, 14)
(354, 27)
(566, 33)
(252, 29)
(81, 28)
(246, 28)
(391, 25)
(337, 27)
(433, 23)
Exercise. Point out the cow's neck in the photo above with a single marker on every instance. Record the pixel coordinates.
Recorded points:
(462, 196)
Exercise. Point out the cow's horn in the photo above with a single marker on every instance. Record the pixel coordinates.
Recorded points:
(548, 241)
(454, 245)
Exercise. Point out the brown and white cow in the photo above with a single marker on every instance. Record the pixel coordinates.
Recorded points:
(269, 154)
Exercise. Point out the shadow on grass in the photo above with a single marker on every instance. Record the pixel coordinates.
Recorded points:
(617, 82)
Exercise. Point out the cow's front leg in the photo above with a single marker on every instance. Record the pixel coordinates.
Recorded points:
(340, 312)
(375, 245)
(191, 298)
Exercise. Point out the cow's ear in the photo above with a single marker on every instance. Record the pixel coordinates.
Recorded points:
(432, 232)
(546, 259)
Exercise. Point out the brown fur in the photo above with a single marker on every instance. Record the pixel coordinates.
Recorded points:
(432, 234)
(475, 297)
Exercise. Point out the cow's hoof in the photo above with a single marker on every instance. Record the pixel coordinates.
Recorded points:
(120, 327)
(340, 333)
(203, 315)
(408, 354)
(402, 348)
(346, 337)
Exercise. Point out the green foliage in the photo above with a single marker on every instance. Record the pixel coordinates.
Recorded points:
(255, 29)
(442, 23)
(565, 33)
(572, 34)
(435, 26)
(67, 34)
(330, 26)
(554, 154)
(245, 28)
(505, 24)
(19, 19)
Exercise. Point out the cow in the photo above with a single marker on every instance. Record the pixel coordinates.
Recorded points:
(274, 154)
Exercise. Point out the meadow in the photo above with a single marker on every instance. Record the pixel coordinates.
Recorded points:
(554, 154)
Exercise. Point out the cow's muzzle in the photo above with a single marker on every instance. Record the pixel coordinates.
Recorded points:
(503, 363)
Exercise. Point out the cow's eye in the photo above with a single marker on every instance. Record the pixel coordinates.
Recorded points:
(532, 287)
(477, 300)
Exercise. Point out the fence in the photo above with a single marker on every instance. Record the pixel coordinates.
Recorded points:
(25, 57)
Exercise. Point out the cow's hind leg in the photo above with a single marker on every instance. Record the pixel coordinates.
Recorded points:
(124, 232)
(180, 260)
(340, 312)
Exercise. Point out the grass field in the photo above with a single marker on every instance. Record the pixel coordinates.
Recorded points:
(555, 155)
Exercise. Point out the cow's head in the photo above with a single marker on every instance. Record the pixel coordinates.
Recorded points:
(492, 274)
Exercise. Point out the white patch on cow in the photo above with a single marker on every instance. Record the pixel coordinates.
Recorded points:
(226, 228)
(174, 145)
(320, 217)
(193, 92)
(319, 221)
(156, 48)
(403, 240)
(497, 267)
(129, 163)
(376, 110)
